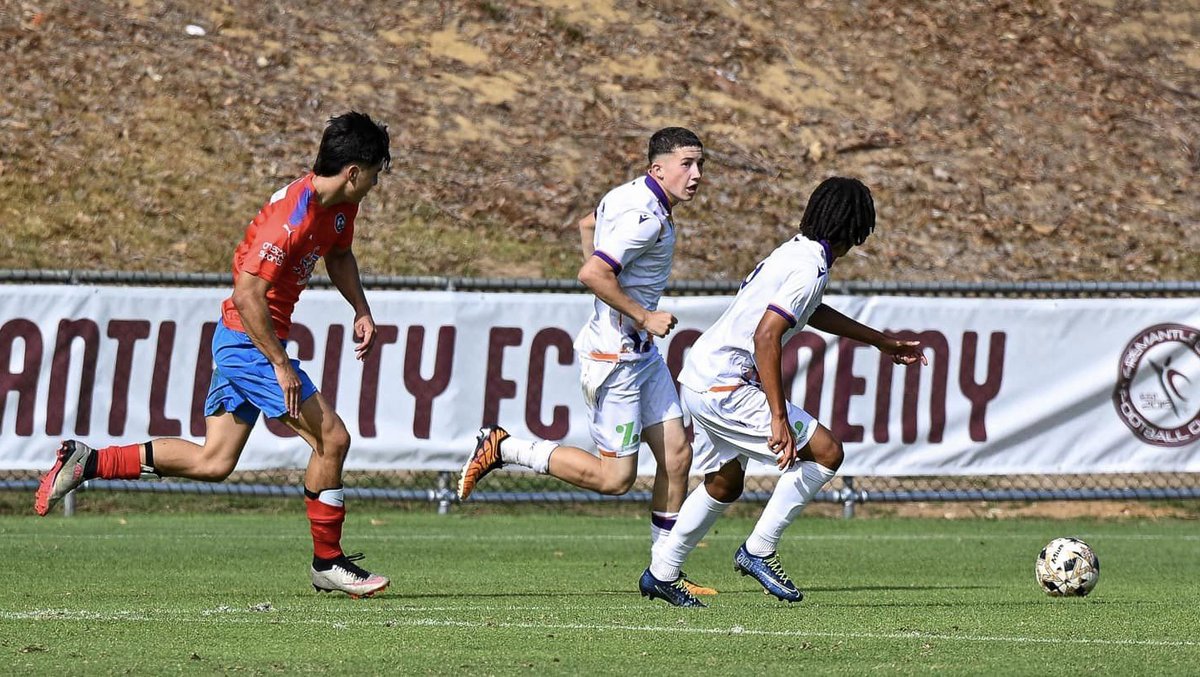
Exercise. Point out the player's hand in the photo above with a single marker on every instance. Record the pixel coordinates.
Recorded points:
(364, 334)
(658, 323)
(781, 443)
(903, 352)
(289, 383)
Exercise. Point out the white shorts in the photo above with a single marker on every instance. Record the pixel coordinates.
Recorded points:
(631, 396)
(736, 424)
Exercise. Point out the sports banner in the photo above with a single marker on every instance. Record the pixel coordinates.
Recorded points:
(1012, 385)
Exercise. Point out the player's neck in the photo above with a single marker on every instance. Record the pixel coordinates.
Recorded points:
(330, 190)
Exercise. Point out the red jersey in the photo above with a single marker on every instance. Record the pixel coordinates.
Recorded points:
(282, 246)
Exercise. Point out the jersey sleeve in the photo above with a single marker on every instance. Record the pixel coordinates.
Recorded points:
(798, 295)
(268, 253)
(632, 233)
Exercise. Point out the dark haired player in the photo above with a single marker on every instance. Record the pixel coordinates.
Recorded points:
(310, 219)
(733, 387)
(629, 390)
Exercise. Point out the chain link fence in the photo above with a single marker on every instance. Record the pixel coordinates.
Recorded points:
(517, 487)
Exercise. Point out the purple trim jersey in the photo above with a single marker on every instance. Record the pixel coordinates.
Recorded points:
(790, 283)
(636, 238)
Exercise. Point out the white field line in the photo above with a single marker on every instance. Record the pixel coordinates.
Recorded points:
(521, 538)
(222, 616)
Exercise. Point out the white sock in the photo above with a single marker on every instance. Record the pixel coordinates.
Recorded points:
(533, 454)
(335, 497)
(791, 494)
(661, 524)
(699, 512)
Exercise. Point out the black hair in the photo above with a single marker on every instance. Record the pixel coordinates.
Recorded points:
(352, 138)
(670, 139)
(839, 210)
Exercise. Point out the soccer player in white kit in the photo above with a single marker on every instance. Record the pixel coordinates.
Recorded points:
(629, 390)
(733, 389)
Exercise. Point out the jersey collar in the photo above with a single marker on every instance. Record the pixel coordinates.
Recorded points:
(828, 252)
(658, 193)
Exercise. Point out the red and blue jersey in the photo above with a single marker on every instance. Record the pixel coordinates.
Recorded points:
(282, 246)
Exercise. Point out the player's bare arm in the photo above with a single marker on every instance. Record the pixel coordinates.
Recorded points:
(342, 267)
(828, 320)
(587, 235)
(600, 278)
(250, 299)
(768, 339)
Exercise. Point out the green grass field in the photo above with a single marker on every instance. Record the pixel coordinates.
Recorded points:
(535, 594)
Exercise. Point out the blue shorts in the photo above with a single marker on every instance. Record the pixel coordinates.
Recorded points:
(244, 382)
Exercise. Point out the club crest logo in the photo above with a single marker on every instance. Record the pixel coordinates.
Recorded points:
(1158, 385)
(339, 222)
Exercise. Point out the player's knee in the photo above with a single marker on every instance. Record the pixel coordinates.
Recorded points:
(616, 486)
(213, 471)
(829, 453)
(678, 461)
(723, 488)
(336, 441)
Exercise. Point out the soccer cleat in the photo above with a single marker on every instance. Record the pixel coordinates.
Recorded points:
(675, 593)
(344, 575)
(66, 474)
(768, 572)
(694, 587)
(485, 459)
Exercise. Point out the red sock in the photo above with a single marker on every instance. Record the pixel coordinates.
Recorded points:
(325, 521)
(119, 462)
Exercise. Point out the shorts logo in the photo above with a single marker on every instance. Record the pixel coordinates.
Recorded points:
(630, 438)
(339, 222)
(271, 253)
(1158, 385)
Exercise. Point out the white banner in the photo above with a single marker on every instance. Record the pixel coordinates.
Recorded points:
(1013, 386)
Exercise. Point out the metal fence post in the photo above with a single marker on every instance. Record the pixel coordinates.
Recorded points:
(848, 498)
(69, 504)
(443, 491)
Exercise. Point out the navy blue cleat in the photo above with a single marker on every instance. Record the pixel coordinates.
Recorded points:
(768, 572)
(674, 592)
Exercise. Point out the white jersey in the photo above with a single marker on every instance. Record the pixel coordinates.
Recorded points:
(635, 236)
(789, 282)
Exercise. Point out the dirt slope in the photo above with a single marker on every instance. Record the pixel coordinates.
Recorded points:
(1003, 140)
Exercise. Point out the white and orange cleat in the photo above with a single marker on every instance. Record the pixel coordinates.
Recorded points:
(344, 575)
(485, 459)
(66, 474)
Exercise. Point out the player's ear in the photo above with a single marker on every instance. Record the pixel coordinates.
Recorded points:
(656, 169)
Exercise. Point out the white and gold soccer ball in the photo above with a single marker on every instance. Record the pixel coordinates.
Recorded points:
(1067, 567)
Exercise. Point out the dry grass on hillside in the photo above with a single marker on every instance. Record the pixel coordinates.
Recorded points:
(1003, 141)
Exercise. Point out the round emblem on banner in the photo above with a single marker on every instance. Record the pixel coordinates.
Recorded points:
(339, 222)
(1158, 385)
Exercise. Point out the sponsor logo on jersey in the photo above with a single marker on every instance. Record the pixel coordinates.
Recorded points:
(1158, 385)
(271, 253)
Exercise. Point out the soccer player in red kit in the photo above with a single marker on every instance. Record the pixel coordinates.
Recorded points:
(310, 219)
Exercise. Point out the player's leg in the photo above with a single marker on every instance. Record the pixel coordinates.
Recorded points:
(324, 499)
(820, 458)
(616, 428)
(212, 461)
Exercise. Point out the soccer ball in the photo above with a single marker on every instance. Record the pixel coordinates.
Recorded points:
(1067, 567)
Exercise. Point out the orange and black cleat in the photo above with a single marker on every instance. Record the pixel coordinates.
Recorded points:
(485, 459)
